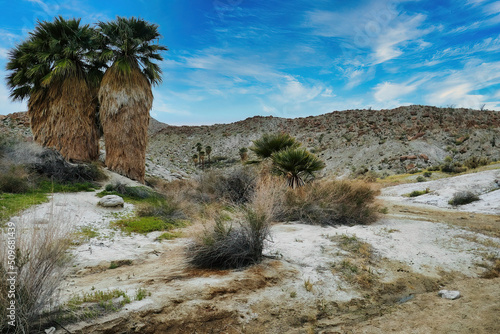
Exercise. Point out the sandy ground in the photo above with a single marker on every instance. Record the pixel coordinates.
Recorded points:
(421, 246)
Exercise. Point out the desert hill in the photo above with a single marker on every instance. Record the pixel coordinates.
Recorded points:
(383, 141)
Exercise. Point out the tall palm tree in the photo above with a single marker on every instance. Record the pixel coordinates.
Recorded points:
(243, 154)
(125, 94)
(208, 150)
(296, 164)
(202, 159)
(195, 159)
(55, 71)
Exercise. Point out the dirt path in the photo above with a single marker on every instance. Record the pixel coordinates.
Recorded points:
(360, 279)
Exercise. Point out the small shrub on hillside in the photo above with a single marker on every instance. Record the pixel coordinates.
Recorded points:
(475, 162)
(331, 203)
(427, 174)
(421, 179)
(227, 246)
(463, 197)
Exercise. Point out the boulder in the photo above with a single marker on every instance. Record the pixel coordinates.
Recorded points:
(111, 201)
(449, 294)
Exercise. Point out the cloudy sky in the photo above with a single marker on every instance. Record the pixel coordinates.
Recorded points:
(232, 59)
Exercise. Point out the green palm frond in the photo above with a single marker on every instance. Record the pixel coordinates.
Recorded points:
(297, 164)
(128, 44)
(54, 51)
(271, 143)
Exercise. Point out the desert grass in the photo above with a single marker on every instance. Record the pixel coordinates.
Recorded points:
(331, 202)
(38, 254)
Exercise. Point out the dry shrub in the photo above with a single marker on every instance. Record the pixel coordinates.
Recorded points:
(330, 203)
(14, 179)
(230, 246)
(463, 197)
(40, 259)
(234, 186)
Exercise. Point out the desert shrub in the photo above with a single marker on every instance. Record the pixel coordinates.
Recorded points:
(14, 180)
(475, 162)
(463, 197)
(51, 164)
(235, 186)
(40, 259)
(416, 193)
(164, 209)
(420, 179)
(229, 246)
(434, 168)
(268, 144)
(427, 174)
(331, 203)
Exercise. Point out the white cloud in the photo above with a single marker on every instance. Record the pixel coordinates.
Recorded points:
(390, 91)
(461, 87)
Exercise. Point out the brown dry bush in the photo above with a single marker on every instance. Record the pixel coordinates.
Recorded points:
(40, 258)
(331, 203)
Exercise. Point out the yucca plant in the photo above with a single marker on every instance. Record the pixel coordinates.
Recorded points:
(271, 143)
(55, 69)
(208, 150)
(296, 164)
(125, 95)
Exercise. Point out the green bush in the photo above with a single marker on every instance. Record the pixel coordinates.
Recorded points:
(421, 179)
(463, 197)
(475, 162)
(427, 174)
(417, 193)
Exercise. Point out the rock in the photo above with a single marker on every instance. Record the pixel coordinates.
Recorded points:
(403, 158)
(50, 330)
(412, 157)
(424, 157)
(111, 201)
(449, 294)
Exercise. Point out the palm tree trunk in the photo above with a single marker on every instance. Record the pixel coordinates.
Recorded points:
(125, 104)
(63, 118)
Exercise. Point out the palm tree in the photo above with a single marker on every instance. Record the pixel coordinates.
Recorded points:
(198, 147)
(202, 159)
(271, 143)
(208, 150)
(195, 159)
(55, 70)
(125, 94)
(296, 164)
(243, 153)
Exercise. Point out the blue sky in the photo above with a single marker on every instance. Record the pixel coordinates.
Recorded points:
(233, 59)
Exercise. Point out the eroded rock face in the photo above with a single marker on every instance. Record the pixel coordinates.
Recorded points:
(449, 294)
(111, 201)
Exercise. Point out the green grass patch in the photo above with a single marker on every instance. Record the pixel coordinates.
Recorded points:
(169, 236)
(417, 193)
(147, 224)
(12, 204)
(46, 186)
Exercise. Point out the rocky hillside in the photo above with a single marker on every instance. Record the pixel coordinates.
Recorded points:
(384, 141)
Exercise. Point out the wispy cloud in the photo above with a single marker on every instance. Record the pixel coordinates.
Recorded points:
(391, 91)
